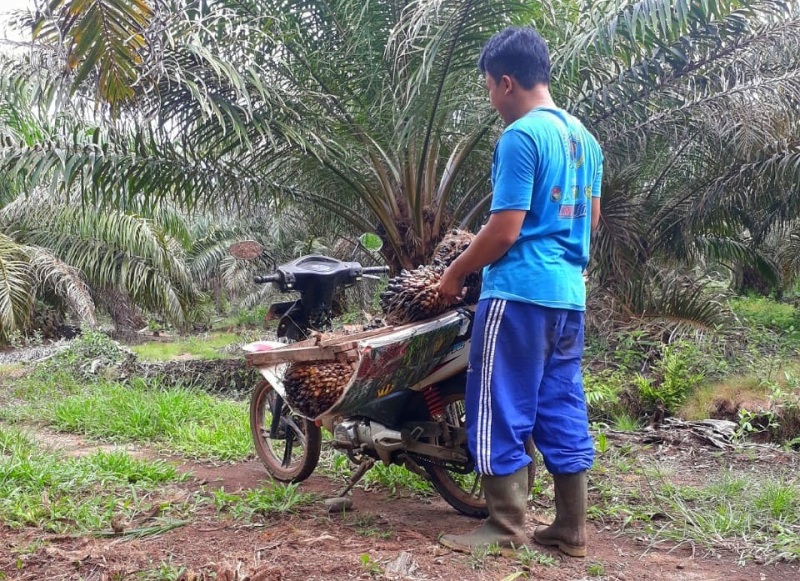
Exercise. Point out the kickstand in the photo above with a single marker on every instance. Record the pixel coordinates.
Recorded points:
(357, 475)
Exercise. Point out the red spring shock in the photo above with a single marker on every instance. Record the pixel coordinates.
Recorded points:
(434, 401)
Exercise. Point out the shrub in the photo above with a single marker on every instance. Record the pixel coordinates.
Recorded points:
(767, 313)
(603, 390)
(677, 374)
(253, 317)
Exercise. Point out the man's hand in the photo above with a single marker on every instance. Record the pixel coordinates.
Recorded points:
(451, 286)
(492, 242)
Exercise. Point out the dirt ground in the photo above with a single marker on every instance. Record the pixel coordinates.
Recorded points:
(382, 537)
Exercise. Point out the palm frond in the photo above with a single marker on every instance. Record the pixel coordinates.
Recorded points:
(104, 39)
(64, 281)
(111, 249)
(16, 286)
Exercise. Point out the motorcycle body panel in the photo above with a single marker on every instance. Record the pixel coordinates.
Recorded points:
(391, 363)
(396, 361)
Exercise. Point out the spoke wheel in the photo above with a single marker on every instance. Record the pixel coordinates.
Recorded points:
(464, 492)
(287, 444)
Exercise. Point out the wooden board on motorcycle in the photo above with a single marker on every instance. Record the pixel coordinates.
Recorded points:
(341, 347)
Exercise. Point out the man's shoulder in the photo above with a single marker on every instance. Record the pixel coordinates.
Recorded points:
(576, 122)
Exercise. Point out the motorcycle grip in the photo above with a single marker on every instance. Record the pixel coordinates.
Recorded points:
(374, 269)
(266, 278)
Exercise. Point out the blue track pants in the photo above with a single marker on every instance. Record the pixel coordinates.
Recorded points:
(524, 378)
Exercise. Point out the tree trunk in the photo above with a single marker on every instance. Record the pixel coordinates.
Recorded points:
(127, 318)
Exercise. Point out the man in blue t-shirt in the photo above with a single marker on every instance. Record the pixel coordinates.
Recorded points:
(524, 374)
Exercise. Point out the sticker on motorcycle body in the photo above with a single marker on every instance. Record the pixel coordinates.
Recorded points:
(385, 390)
(456, 348)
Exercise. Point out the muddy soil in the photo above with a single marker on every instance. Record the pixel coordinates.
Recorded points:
(384, 536)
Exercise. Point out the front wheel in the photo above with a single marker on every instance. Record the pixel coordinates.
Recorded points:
(464, 492)
(287, 444)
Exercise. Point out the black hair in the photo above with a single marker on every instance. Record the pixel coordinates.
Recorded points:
(518, 52)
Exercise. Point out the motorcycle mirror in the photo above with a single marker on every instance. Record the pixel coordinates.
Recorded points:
(370, 241)
(246, 250)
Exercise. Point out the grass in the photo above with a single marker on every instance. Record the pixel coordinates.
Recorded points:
(393, 479)
(165, 571)
(748, 513)
(208, 346)
(625, 422)
(276, 500)
(704, 401)
(761, 311)
(596, 570)
(83, 494)
(190, 422)
(369, 525)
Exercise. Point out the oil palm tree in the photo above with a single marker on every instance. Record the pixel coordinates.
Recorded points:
(696, 107)
(373, 112)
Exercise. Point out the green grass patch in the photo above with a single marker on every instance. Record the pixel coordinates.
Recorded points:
(187, 421)
(191, 422)
(393, 479)
(276, 500)
(209, 346)
(710, 399)
(754, 515)
(768, 313)
(11, 371)
(65, 494)
(625, 422)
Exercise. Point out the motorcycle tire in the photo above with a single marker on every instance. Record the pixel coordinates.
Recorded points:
(288, 445)
(464, 491)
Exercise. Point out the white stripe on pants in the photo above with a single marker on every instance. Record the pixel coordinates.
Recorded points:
(493, 320)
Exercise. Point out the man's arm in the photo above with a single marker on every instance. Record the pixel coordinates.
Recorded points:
(596, 187)
(491, 243)
(595, 213)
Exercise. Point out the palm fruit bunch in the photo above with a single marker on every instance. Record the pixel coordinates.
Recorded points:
(313, 387)
(452, 245)
(413, 294)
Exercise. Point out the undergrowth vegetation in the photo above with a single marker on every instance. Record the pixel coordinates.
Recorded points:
(733, 507)
(747, 374)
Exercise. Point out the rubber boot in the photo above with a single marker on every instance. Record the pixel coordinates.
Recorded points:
(507, 501)
(568, 531)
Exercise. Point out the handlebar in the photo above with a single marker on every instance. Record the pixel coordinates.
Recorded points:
(267, 278)
(280, 276)
(316, 279)
(374, 269)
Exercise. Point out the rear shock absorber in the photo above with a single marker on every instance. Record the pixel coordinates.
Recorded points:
(433, 399)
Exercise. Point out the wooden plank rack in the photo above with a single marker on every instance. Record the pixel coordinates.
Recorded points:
(320, 347)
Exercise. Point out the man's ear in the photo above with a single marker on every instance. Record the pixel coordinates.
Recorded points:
(508, 84)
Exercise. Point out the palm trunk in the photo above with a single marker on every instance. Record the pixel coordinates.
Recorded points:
(127, 318)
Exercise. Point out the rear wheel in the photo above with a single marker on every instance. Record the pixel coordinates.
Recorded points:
(464, 492)
(287, 444)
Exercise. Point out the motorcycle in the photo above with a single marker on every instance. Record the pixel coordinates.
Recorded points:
(403, 405)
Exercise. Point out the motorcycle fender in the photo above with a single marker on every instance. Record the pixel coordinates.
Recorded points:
(274, 376)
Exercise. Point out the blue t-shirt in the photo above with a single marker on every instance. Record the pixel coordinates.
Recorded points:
(549, 165)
